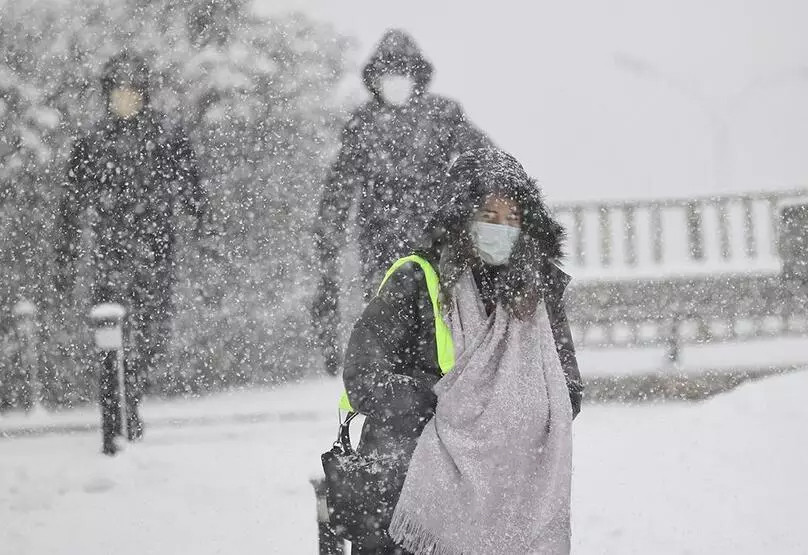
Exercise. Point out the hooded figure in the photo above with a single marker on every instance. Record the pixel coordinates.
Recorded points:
(395, 150)
(127, 175)
(391, 363)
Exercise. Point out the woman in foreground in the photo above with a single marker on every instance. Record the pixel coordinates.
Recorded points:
(482, 411)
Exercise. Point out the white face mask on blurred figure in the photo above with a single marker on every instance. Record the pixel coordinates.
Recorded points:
(396, 90)
(125, 102)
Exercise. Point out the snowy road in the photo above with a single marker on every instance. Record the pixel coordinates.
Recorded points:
(725, 476)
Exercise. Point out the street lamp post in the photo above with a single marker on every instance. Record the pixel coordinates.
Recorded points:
(718, 118)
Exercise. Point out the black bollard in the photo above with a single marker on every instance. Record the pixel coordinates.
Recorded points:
(107, 320)
(329, 542)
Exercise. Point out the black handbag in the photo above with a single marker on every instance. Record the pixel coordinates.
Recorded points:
(361, 491)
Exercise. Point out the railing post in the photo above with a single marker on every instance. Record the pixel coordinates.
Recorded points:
(749, 228)
(657, 233)
(774, 223)
(674, 348)
(793, 249)
(694, 231)
(605, 236)
(631, 235)
(580, 230)
(723, 229)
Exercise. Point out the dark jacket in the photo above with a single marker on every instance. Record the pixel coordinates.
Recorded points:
(125, 177)
(394, 157)
(391, 362)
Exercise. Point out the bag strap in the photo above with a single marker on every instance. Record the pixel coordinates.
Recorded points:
(344, 434)
(443, 335)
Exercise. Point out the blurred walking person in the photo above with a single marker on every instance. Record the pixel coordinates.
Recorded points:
(395, 150)
(128, 174)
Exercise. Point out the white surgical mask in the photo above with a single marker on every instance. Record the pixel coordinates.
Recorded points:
(494, 242)
(396, 90)
(125, 102)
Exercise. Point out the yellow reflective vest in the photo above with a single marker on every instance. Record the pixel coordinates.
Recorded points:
(443, 336)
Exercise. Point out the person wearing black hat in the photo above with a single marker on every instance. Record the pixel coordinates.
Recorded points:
(395, 149)
(129, 172)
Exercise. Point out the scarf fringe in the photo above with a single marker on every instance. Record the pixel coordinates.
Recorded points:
(416, 538)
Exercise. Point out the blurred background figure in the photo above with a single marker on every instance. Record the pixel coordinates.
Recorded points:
(126, 175)
(394, 150)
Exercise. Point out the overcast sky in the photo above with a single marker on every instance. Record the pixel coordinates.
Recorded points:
(540, 77)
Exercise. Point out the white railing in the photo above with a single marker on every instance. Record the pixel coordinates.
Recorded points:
(663, 239)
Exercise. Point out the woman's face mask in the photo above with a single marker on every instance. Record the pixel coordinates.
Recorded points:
(494, 242)
(495, 229)
(396, 90)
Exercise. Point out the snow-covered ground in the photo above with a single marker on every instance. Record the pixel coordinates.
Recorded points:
(229, 474)
(732, 356)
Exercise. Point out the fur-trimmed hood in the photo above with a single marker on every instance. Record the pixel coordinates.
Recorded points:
(478, 173)
(532, 272)
(397, 53)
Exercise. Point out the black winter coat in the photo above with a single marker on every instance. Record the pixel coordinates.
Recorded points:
(126, 176)
(395, 158)
(391, 362)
